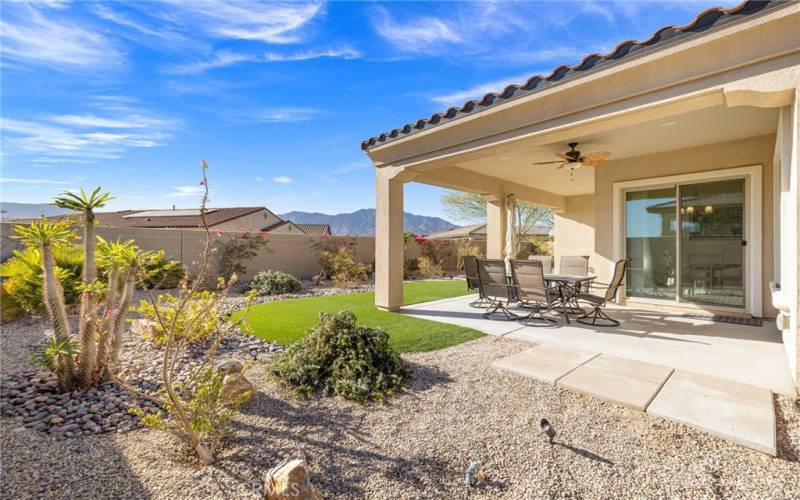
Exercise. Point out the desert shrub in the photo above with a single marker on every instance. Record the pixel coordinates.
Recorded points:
(234, 251)
(275, 283)
(541, 245)
(162, 273)
(410, 268)
(193, 319)
(429, 267)
(465, 247)
(23, 277)
(329, 247)
(344, 270)
(341, 358)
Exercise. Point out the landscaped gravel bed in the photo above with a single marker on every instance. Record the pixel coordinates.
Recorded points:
(419, 444)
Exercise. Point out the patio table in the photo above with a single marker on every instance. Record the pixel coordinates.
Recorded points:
(568, 285)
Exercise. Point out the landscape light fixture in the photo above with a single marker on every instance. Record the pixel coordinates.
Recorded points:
(547, 430)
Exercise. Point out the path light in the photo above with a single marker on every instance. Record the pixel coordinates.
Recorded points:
(254, 354)
(547, 430)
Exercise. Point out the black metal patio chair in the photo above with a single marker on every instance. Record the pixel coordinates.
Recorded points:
(598, 317)
(532, 292)
(495, 288)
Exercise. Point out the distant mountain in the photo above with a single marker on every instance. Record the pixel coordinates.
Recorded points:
(362, 222)
(11, 210)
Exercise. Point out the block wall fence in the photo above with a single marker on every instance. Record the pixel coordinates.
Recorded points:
(294, 254)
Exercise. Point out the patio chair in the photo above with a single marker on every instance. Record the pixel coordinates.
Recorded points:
(598, 317)
(575, 265)
(495, 288)
(532, 291)
(546, 260)
(473, 281)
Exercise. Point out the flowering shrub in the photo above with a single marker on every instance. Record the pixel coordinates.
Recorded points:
(234, 251)
(275, 283)
(429, 267)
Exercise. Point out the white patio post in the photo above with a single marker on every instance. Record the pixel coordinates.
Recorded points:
(495, 225)
(388, 239)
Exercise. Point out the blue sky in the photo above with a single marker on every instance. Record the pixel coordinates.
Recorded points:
(275, 96)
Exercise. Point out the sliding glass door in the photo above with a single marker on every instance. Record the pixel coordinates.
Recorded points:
(685, 243)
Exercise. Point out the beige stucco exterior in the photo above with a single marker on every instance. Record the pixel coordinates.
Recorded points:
(719, 100)
(255, 221)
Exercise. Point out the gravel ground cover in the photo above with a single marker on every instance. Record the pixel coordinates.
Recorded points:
(417, 445)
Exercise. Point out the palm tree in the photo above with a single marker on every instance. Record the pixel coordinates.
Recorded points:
(45, 236)
(86, 204)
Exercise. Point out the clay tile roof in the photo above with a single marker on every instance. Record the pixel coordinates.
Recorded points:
(315, 229)
(213, 217)
(706, 20)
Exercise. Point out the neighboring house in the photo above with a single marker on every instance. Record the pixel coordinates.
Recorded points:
(478, 232)
(219, 219)
(702, 115)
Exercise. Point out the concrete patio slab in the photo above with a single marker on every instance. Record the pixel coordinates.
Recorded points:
(545, 362)
(619, 380)
(738, 412)
(456, 311)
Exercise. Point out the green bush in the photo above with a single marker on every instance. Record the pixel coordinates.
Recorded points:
(22, 277)
(344, 270)
(341, 358)
(162, 273)
(410, 268)
(275, 283)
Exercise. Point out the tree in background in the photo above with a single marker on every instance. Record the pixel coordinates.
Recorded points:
(471, 207)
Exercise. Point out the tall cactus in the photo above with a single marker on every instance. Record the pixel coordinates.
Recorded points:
(87, 326)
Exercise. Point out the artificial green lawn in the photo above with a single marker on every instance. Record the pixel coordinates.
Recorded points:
(287, 321)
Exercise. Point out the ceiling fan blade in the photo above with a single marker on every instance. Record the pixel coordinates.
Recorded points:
(599, 155)
(564, 156)
(563, 165)
(547, 162)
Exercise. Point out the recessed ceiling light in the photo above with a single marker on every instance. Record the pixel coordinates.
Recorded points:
(668, 124)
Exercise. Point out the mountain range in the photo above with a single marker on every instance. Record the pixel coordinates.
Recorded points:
(362, 222)
(10, 210)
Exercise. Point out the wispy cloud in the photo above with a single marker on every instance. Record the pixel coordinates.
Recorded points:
(59, 43)
(259, 178)
(220, 59)
(459, 97)
(287, 115)
(351, 167)
(185, 191)
(282, 179)
(274, 23)
(164, 36)
(336, 53)
(18, 180)
(423, 34)
(73, 138)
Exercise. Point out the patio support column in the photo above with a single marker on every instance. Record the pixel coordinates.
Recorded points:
(495, 226)
(388, 239)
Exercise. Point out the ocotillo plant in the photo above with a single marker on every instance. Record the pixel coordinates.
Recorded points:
(93, 357)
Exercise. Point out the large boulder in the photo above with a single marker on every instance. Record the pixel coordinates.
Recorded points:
(231, 367)
(289, 480)
(236, 388)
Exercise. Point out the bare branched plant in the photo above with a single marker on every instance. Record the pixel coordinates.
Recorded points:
(196, 409)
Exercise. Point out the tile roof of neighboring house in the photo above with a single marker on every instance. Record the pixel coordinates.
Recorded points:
(706, 20)
(315, 229)
(123, 218)
(479, 230)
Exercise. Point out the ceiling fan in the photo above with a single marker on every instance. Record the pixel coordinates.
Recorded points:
(573, 158)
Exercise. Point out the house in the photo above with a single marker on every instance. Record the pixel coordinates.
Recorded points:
(219, 219)
(700, 190)
(478, 232)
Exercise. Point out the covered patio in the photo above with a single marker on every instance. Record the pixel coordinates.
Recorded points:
(700, 190)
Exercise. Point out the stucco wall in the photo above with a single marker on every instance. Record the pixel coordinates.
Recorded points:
(745, 152)
(294, 254)
(574, 231)
(251, 222)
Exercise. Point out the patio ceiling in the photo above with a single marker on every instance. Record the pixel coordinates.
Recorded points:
(719, 124)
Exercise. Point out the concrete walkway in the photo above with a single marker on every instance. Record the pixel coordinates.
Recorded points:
(715, 377)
